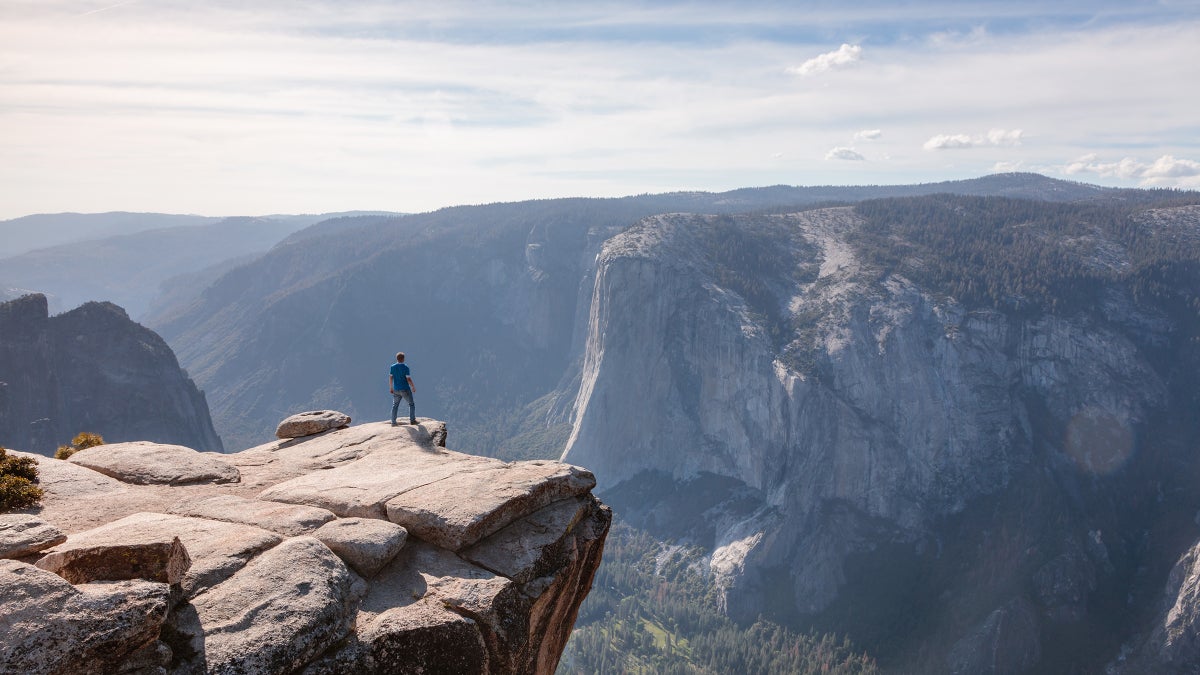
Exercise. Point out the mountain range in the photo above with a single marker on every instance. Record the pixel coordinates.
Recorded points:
(953, 421)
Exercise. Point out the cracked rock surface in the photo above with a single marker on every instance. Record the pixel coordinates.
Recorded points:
(367, 549)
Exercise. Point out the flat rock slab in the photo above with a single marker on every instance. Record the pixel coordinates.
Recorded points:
(311, 422)
(145, 463)
(363, 487)
(365, 544)
(534, 546)
(278, 613)
(286, 519)
(50, 626)
(63, 480)
(216, 549)
(21, 535)
(464, 507)
(277, 461)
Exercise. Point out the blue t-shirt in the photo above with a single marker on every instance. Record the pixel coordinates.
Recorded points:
(400, 373)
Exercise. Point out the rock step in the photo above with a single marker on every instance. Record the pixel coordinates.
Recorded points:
(145, 463)
(22, 535)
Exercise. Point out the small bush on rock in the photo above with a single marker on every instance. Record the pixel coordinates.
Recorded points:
(17, 475)
(82, 441)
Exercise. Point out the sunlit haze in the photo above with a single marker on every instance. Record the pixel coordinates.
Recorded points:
(224, 108)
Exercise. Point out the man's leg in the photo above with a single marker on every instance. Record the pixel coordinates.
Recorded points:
(412, 408)
(395, 406)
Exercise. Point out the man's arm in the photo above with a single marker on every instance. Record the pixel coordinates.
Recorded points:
(392, 383)
(411, 387)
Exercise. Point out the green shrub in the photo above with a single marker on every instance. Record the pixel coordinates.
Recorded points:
(21, 467)
(82, 441)
(17, 475)
(85, 439)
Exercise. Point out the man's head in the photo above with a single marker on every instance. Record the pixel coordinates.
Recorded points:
(399, 357)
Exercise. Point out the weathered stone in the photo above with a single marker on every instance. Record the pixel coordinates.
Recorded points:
(152, 557)
(216, 549)
(533, 546)
(424, 571)
(464, 507)
(278, 613)
(525, 627)
(62, 480)
(364, 487)
(21, 535)
(253, 602)
(365, 544)
(153, 659)
(424, 637)
(145, 463)
(49, 626)
(312, 422)
(557, 598)
(278, 461)
(285, 519)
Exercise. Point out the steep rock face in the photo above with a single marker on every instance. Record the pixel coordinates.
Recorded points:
(822, 412)
(1173, 641)
(501, 292)
(214, 590)
(92, 369)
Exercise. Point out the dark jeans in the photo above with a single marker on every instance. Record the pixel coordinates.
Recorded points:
(400, 395)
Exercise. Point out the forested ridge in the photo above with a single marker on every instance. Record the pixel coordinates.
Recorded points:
(1031, 255)
(653, 609)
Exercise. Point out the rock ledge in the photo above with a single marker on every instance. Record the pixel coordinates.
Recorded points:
(367, 549)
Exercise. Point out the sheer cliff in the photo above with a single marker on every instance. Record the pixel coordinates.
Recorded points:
(490, 300)
(858, 446)
(92, 369)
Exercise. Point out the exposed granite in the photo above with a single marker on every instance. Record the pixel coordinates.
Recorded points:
(259, 586)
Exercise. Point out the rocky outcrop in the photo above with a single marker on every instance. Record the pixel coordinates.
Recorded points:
(267, 575)
(52, 626)
(22, 535)
(92, 369)
(312, 422)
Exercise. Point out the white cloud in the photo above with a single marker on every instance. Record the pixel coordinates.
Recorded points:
(868, 134)
(1169, 167)
(844, 153)
(948, 142)
(1007, 167)
(1166, 170)
(331, 105)
(843, 56)
(993, 138)
(1004, 137)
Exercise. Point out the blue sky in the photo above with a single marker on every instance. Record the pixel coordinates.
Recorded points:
(225, 108)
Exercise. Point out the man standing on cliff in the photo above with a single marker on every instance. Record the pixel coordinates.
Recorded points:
(402, 388)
